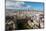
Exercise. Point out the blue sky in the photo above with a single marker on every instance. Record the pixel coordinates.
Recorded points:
(36, 5)
(24, 5)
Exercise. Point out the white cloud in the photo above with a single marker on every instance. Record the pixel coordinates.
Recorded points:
(10, 4)
(16, 5)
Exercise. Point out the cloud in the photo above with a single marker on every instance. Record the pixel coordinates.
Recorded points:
(20, 4)
(16, 5)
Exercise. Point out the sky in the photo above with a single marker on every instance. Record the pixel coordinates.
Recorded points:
(24, 5)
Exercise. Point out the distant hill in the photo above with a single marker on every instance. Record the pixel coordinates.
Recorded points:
(14, 11)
